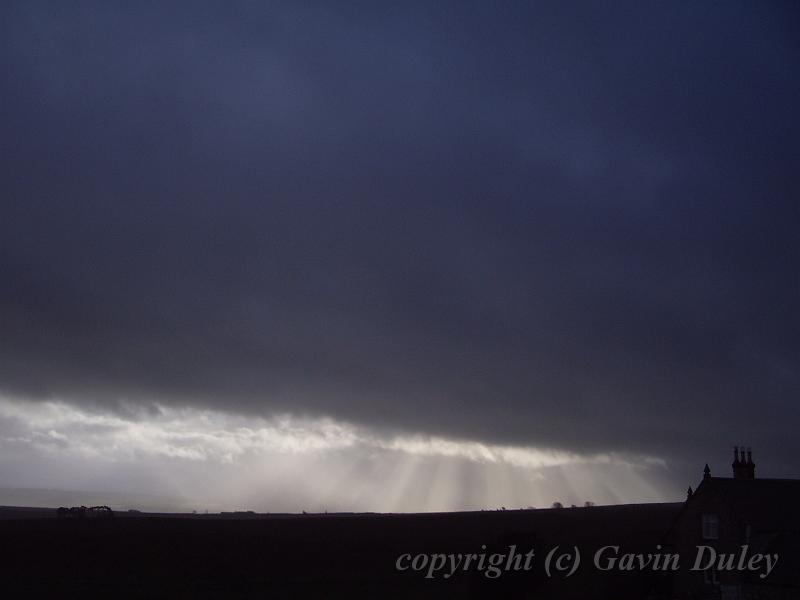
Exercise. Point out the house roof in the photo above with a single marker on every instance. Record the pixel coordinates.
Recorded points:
(765, 504)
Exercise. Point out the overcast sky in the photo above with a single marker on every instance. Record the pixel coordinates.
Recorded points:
(562, 229)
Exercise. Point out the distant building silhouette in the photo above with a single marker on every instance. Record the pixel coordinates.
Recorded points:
(732, 515)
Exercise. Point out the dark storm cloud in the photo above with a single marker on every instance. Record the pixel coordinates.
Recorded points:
(566, 226)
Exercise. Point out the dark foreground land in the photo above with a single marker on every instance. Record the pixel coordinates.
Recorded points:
(288, 556)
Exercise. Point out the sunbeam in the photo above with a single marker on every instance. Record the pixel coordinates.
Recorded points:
(208, 459)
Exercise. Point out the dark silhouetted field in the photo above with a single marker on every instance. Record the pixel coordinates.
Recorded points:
(269, 556)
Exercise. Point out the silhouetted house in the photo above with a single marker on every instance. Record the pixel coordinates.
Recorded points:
(732, 517)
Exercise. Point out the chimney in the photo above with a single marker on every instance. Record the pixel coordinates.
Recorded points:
(743, 465)
(737, 464)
